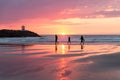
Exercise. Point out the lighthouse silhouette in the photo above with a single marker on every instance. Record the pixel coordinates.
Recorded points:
(23, 28)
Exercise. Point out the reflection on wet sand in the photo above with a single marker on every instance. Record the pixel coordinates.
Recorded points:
(64, 72)
(62, 48)
(69, 47)
(70, 62)
(56, 48)
(82, 46)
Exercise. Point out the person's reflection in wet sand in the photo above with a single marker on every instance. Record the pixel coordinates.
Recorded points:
(56, 48)
(82, 46)
(69, 47)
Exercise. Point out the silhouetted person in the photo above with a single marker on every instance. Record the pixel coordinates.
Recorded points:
(56, 39)
(69, 40)
(82, 42)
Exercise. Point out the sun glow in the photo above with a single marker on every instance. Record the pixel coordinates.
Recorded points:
(63, 33)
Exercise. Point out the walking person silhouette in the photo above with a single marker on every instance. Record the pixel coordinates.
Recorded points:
(69, 40)
(56, 39)
(82, 42)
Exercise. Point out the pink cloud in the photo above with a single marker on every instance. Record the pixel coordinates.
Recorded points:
(17, 10)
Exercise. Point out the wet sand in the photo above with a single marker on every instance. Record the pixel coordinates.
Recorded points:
(60, 62)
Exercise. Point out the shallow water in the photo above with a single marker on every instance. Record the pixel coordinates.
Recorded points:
(49, 39)
(60, 62)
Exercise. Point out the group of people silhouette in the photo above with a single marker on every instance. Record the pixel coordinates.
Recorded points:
(82, 40)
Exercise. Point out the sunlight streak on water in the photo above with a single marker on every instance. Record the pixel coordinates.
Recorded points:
(63, 49)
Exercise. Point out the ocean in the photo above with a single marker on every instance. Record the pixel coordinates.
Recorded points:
(49, 39)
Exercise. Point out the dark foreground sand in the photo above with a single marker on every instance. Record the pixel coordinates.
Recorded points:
(61, 62)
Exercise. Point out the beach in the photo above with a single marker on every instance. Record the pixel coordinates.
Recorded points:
(59, 39)
(96, 61)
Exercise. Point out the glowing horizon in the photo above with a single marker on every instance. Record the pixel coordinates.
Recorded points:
(73, 17)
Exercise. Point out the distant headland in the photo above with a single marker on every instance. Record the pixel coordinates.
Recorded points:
(18, 33)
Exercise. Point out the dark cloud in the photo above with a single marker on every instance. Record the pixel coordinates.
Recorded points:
(113, 13)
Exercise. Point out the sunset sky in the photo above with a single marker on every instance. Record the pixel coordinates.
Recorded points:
(62, 16)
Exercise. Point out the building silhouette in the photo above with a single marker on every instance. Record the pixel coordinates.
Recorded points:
(23, 28)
